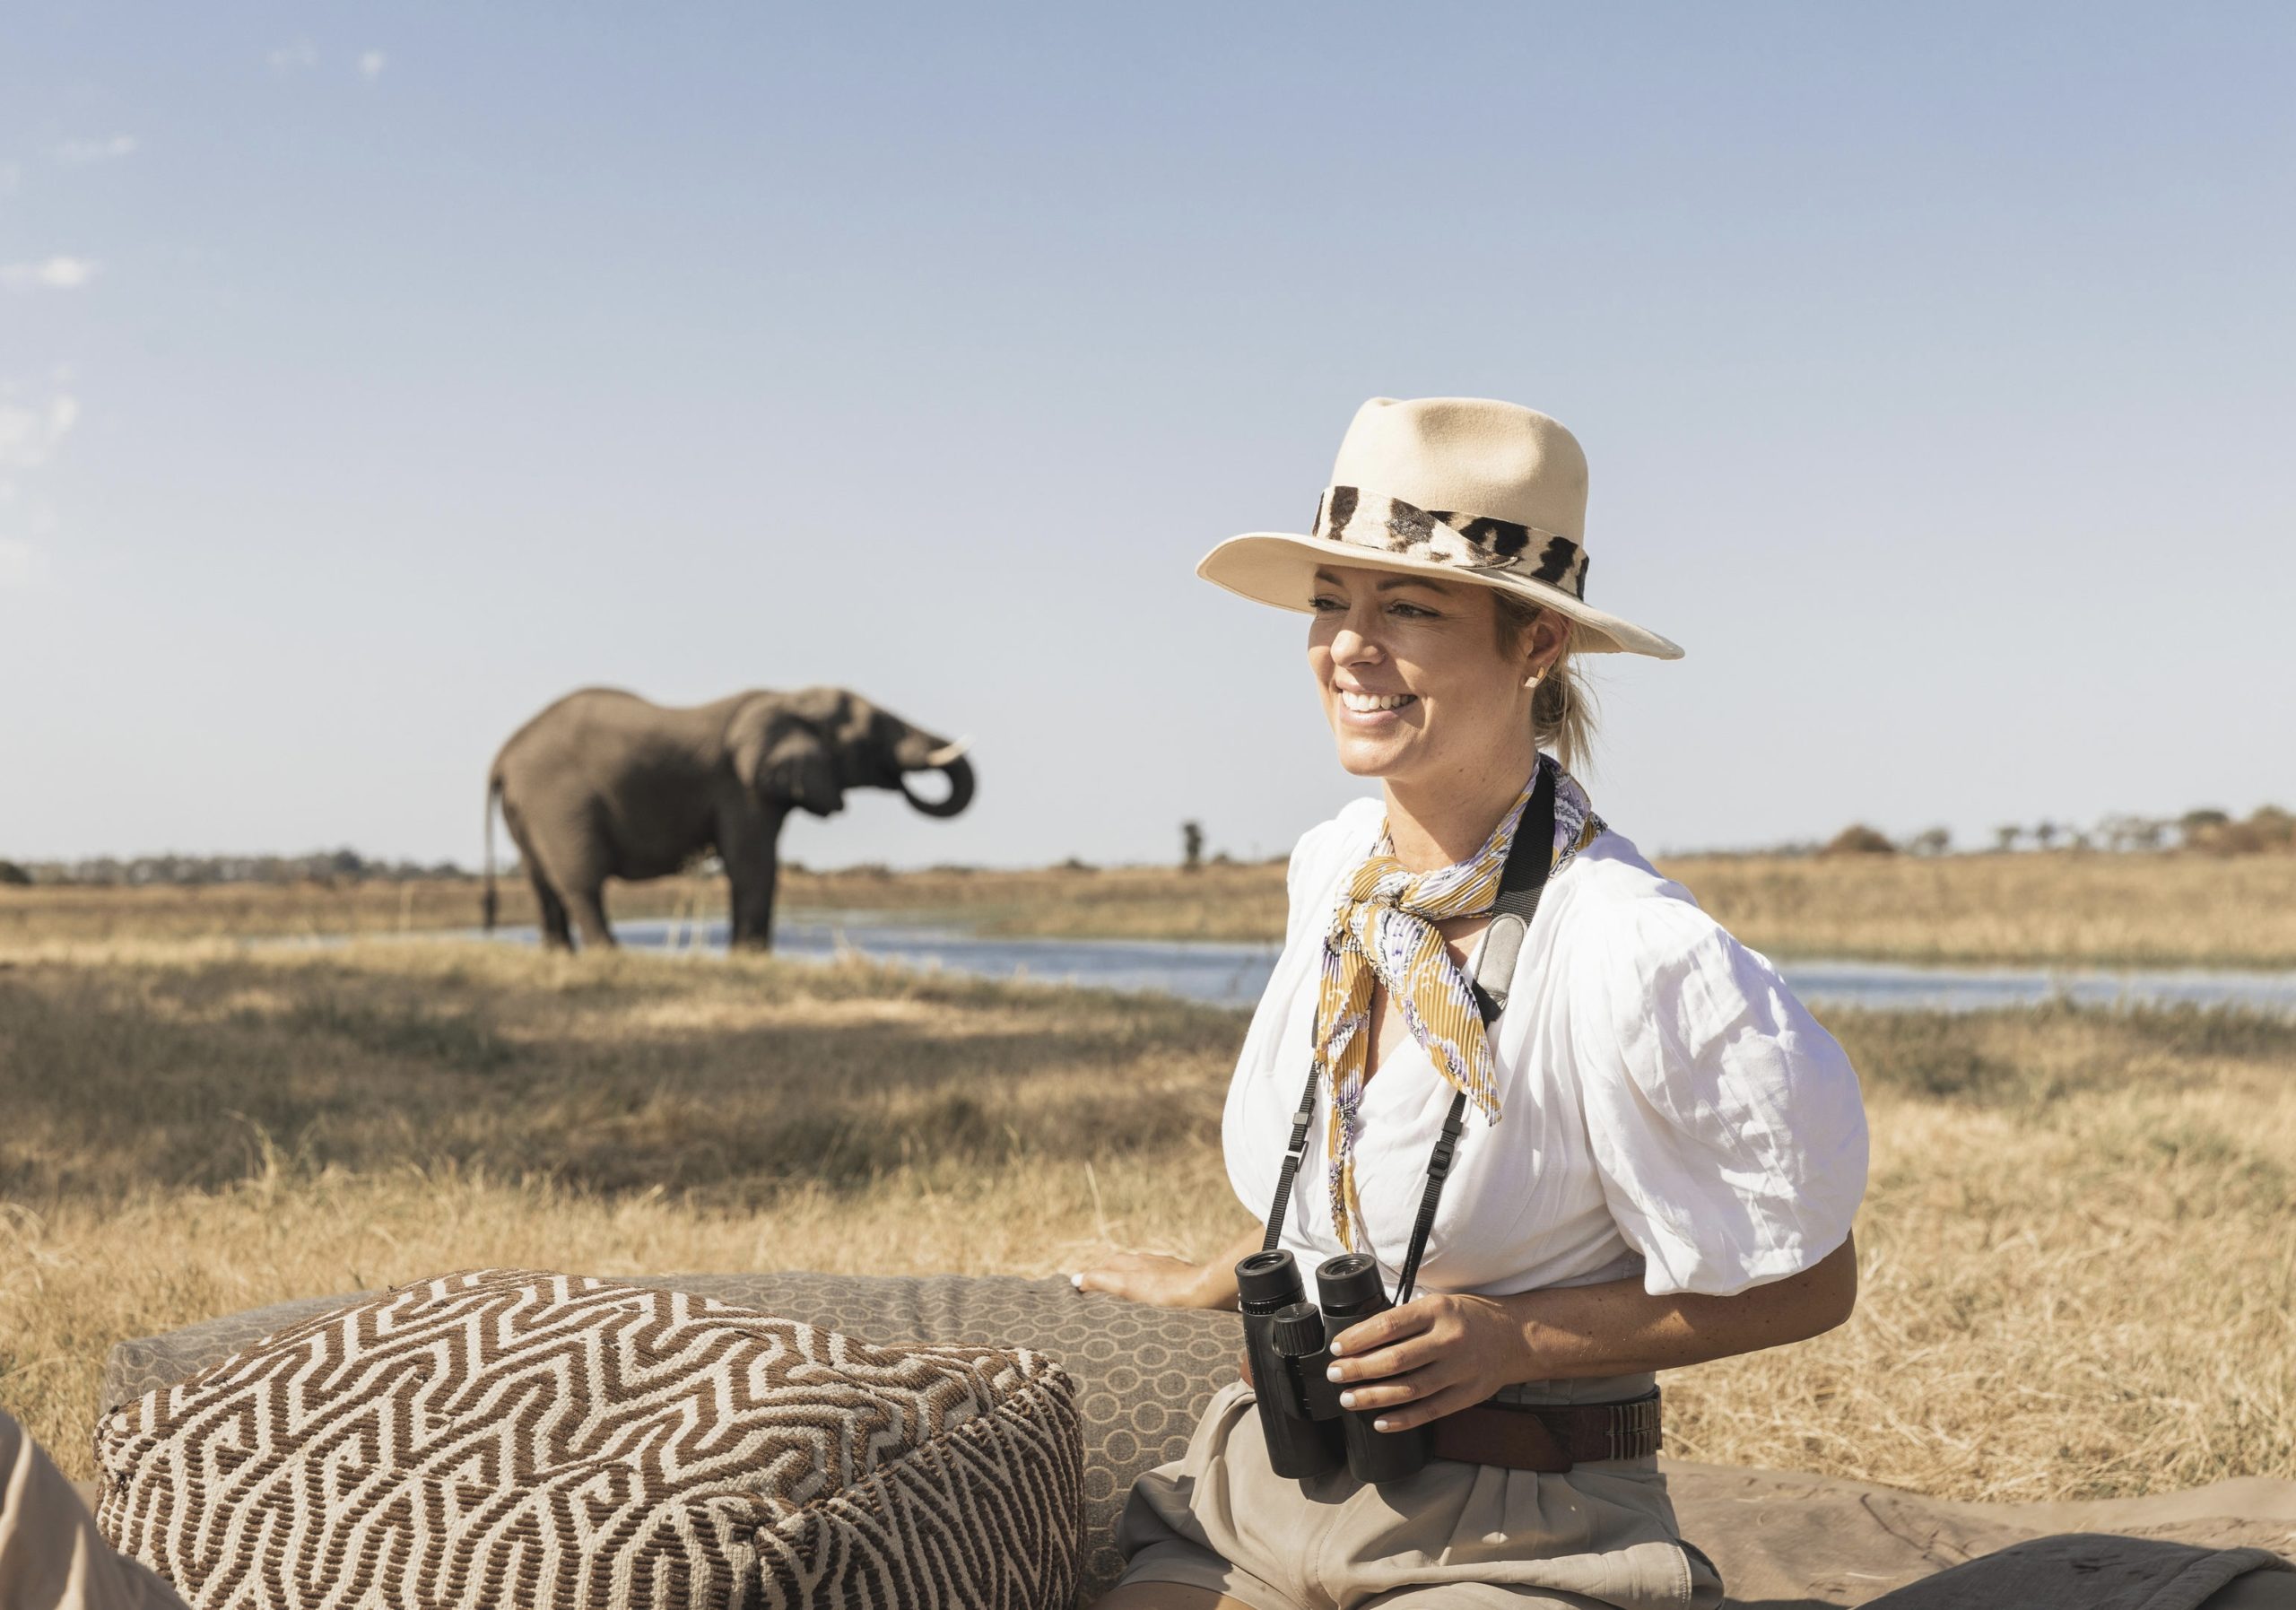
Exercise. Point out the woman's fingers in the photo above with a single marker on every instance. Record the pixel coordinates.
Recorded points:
(1411, 1354)
(1412, 1317)
(1127, 1283)
(1141, 1277)
(1384, 1394)
(1433, 1406)
(1421, 1386)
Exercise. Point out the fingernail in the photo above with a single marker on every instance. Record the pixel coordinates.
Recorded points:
(1332, 1373)
(1347, 1400)
(1383, 1425)
(1077, 1281)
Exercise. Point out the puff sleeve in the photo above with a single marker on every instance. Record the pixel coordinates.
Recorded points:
(1322, 856)
(1726, 1126)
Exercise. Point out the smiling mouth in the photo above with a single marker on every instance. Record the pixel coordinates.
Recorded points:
(1366, 704)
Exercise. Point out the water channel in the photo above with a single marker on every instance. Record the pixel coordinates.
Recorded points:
(1232, 974)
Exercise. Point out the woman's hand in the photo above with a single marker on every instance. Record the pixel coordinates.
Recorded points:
(1172, 1281)
(1153, 1277)
(1433, 1355)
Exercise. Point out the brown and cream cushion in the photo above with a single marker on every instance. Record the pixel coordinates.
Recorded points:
(1143, 1374)
(498, 1438)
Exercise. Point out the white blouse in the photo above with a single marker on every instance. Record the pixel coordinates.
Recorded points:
(1667, 1108)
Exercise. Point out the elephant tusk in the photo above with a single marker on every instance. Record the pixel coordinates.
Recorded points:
(948, 754)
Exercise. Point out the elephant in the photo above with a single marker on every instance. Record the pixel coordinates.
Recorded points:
(606, 784)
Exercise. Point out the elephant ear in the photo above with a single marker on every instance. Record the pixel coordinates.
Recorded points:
(780, 757)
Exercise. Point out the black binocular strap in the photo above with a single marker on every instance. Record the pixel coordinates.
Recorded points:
(1521, 882)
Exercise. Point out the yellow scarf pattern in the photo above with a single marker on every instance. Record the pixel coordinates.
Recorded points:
(1383, 931)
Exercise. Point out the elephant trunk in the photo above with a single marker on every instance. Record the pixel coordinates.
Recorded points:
(958, 771)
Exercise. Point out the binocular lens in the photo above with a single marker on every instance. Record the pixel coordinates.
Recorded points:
(1267, 1280)
(1350, 1283)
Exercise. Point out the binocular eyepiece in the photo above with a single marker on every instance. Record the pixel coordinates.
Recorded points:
(1288, 1340)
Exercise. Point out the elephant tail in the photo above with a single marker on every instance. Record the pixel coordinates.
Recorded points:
(494, 792)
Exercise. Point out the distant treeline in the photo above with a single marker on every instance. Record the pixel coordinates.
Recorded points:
(2208, 830)
(2267, 829)
(319, 866)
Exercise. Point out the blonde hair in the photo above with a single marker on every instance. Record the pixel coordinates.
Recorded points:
(1562, 708)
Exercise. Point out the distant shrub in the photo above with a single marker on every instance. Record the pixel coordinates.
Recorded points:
(1859, 840)
(952, 869)
(2268, 828)
(1073, 864)
(10, 873)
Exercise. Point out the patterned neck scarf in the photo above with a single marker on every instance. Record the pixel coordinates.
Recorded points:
(1383, 929)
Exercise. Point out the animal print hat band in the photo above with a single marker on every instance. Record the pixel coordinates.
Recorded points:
(1460, 488)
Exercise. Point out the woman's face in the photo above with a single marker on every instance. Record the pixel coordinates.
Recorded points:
(1416, 682)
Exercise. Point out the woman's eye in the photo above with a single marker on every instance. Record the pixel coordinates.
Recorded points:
(1411, 611)
(1324, 604)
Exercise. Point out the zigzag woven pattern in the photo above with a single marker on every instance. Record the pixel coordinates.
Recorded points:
(497, 1439)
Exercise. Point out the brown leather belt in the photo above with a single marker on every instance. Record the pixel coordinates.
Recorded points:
(1549, 1437)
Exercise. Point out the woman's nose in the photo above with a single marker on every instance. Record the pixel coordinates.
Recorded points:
(1350, 643)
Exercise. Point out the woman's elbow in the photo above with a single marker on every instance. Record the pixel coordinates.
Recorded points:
(1831, 1294)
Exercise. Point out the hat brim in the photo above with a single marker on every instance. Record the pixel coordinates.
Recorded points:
(1279, 568)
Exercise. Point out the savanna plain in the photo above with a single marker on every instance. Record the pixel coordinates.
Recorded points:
(2078, 1276)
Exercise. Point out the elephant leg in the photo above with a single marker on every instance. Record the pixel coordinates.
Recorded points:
(550, 910)
(750, 847)
(752, 907)
(589, 907)
(557, 935)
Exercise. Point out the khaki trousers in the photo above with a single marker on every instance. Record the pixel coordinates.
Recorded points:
(51, 1555)
(1453, 1537)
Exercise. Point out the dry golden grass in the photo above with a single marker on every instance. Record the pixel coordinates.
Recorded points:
(2069, 907)
(2066, 907)
(2078, 1276)
(48, 913)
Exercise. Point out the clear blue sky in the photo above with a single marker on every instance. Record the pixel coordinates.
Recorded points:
(371, 374)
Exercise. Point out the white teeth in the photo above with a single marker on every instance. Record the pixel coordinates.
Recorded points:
(1368, 702)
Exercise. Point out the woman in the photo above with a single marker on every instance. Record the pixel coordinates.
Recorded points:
(1662, 1152)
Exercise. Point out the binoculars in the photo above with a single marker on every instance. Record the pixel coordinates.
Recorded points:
(1288, 1341)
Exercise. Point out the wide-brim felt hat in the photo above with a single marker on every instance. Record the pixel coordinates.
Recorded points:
(1462, 489)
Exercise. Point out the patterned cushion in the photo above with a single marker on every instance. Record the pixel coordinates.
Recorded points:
(501, 1438)
(1143, 1374)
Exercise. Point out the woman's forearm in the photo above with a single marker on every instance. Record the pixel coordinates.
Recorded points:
(1216, 1286)
(1618, 1328)
(1438, 1353)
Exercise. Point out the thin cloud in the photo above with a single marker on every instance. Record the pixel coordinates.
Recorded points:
(371, 63)
(299, 56)
(29, 434)
(21, 563)
(79, 153)
(10, 172)
(54, 274)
